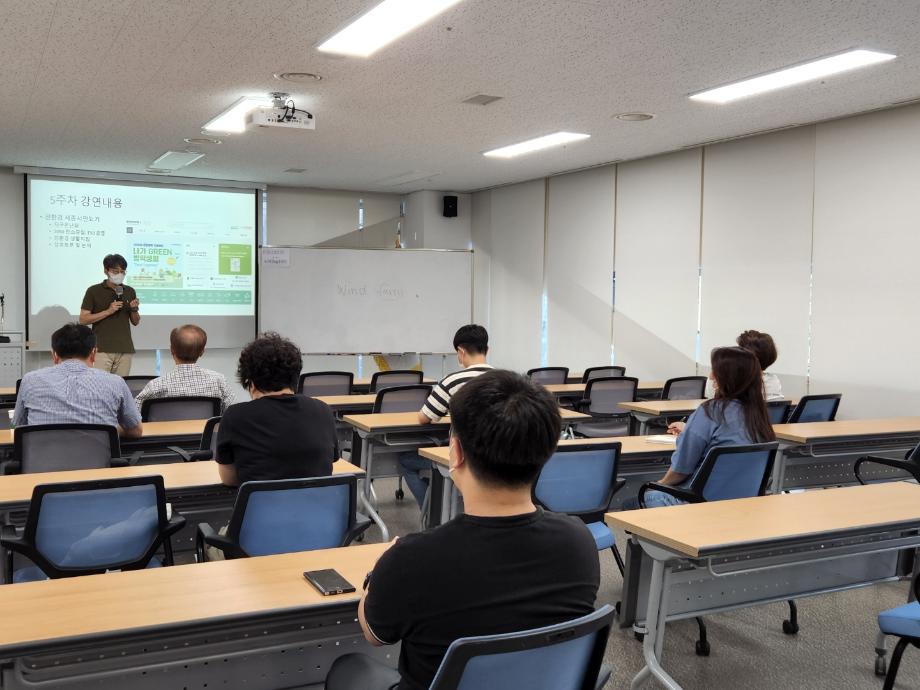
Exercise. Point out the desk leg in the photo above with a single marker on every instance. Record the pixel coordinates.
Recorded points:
(643, 423)
(366, 507)
(779, 470)
(655, 618)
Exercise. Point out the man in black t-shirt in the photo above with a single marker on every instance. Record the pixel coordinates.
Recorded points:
(503, 566)
(278, 434)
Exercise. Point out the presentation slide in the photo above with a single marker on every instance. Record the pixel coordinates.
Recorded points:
(191, 255)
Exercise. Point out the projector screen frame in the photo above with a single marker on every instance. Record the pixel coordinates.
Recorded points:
(137, 180)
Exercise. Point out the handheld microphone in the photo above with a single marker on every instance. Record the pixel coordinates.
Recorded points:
(119, 293)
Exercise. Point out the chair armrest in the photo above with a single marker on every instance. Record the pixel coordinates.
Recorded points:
(208, 537)
(181, 452)
(618, 484)
(888, 462)
(199, 455)
(674, 491)
(10, 467)
(176, 523)
(360, 528)
(11, 541)
(8, 532)
(119, 462)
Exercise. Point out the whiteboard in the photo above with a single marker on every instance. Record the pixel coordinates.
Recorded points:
(365, 300)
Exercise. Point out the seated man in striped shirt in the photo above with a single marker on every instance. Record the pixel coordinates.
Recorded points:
(472, 345)
(186, 344)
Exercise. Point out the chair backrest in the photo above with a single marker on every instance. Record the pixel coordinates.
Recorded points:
(86, 527)
(326, 383)
(548, 376)
(179, 408)
(734, 472)
(402, 398)
(579, 479)
(778, 411)
(58, 447)
(815, 408)
(396, 377)
(291, 515)
(136, 383)
(684, 388)
(602, 372)
(566, 656)
(209, 436)
(605, 394)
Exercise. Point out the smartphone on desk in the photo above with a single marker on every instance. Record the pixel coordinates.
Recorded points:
(328, 582)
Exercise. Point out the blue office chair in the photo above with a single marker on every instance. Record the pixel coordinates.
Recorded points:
(778, 411)
(548, 376)
(566, 656)
(903, 621)
(910, 464)
(90, 527)
(287, 515)
(727, 472)
(207, 449)
(602, 399)
(581, 480)
(602, 373)
(815, 408)
(326, 383)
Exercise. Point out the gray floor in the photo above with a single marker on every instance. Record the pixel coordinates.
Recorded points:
(834, 648)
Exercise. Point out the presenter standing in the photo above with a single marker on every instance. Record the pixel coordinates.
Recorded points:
(111, 308)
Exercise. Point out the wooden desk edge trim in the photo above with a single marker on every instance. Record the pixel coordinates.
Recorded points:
(46, 644)
(688, 551)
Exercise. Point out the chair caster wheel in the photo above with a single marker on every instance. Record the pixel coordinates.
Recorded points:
(881, 667)
(790, 628)
(359, 538)
(639, 636)
(702, 648)
(400, 494)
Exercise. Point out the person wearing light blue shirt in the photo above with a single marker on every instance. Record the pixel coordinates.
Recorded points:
(73, 392)
(736, 416)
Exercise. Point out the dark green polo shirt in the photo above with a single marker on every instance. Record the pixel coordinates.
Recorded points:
(113, 333)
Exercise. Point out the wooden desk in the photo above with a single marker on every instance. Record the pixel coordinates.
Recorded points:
(158, 432)
(224, 623)
(820, 454)
(578, 388)
(7, 391)
(641, 461)
(349, 402)
(713, 557)
(363, 384)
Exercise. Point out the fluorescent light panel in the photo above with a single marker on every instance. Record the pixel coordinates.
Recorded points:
(790, 76)
(538, 144)
(233, 119)
(173, 160)
(383, 24)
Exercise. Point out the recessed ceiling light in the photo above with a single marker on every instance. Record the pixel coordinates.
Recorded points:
(173, 160)
(299, 77)
(383, 24)
(634, 117)
(481, 99)
(233, 119)
(531, 145)
(296, 170)
(202, 140)
(789, 76)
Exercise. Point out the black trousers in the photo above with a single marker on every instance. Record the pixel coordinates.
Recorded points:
(361, 672)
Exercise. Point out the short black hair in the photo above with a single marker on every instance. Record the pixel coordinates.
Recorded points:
(114, 261)
(507, 425)
(73, 341)
(473, 338)
(270, 363)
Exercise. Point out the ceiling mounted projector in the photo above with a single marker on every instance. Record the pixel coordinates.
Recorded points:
(282, 113)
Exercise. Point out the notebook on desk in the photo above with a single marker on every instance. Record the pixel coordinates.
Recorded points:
(664, 439)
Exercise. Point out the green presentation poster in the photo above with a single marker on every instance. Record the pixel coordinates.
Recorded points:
(235, 259)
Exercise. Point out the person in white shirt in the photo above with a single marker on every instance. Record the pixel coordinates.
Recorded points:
(472, 345)
(763, 347)
(186, 344)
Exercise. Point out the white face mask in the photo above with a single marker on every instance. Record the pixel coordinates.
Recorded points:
(116, 278)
